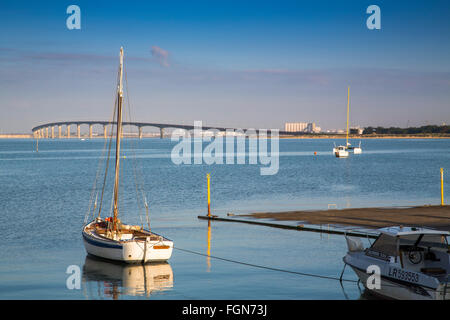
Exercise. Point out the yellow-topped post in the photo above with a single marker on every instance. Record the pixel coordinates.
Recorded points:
(442, 186)
(208, 177)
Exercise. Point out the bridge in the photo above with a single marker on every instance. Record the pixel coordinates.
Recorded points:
(47, 130)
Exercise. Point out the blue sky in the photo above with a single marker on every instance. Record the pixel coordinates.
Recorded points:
(228, 63)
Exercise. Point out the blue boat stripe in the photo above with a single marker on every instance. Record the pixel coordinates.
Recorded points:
(100, 244)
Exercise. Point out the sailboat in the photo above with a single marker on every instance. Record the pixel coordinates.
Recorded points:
(343, 151)
(108, 237)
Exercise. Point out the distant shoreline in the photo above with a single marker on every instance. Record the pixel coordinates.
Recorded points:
(16, 136)
(306, 136)
(371, 136)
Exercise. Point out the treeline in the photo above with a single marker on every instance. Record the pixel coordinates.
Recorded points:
(410, 130)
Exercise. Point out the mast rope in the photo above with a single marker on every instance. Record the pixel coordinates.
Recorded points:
(107, 162)
(99, 165)
(137, 172)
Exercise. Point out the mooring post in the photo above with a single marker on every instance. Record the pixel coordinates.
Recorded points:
(442, 186)
(208, 176)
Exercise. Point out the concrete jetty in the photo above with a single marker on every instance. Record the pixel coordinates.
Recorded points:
(432, 216)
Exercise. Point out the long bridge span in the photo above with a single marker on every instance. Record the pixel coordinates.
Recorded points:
(47, 130)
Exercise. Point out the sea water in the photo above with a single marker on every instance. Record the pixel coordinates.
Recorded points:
(45, 196)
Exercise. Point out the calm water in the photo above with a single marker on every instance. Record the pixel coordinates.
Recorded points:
(44, 198)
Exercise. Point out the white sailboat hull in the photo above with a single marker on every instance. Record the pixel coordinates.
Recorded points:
(340, 153)
(131, 250)
(357, 150)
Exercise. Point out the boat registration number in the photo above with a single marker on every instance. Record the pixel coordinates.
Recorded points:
(403, 275)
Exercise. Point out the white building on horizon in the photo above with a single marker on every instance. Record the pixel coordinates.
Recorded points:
(301, 127)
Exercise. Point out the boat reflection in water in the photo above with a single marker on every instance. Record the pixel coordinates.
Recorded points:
(208, 251)
(114, 279)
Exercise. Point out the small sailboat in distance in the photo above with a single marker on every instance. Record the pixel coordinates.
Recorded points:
(340, 151)
(108, 237)
(343, 151)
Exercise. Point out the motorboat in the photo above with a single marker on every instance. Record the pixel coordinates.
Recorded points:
(413, 263)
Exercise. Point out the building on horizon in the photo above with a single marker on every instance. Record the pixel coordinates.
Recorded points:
(295, 126)
(301, 127)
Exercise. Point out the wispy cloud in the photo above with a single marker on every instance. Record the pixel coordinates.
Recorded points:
(161, 56)
(14, 55)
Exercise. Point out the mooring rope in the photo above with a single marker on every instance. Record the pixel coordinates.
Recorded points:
(340, 279)
(266, 267)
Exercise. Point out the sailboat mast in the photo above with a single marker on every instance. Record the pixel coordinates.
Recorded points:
(348, 108)
(119, 134)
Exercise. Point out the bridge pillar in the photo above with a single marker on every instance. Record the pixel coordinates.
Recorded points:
(140, 132)
(46, 132)
(90, 131)
(78, 131)
(68, 131)
(161, 133)
(53, 132)
(105, 127)
(59, 131)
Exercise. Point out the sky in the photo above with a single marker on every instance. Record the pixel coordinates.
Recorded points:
(230, 63)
